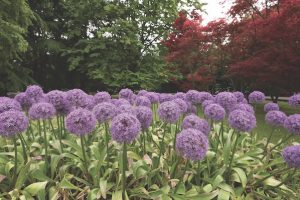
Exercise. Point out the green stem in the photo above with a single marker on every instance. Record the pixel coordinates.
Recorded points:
(161, 146)
(181, 178)
(282, 141)
(60, 134)
(16, 159)
(269, 138)
(198, 173)
(106, 141)
(124, 159)
(46, 146)
(265, 178)
(52, 128)
(144, 142)
(232, 155)
(23, 148)
(39, 127)
(83, 153)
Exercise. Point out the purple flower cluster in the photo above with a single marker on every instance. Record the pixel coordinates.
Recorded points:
(192, 144)
(169, 111)
(144, 115)
(292, 124)
(163, 97)
(58, 100)
(152, 96)
(242, 120)
(291, 155)
(119, 102)
(7, 104)
(245, 107)
(271, 106)
(194, 122)
(125, 128)
(41, 111)
(12, 122)
(35, 93)
(80, 122)
(182, 105)
(23, 99)
(206, 103)
(205, 96)
(256, 97)
(193, 96)
(125, 94)
(215, 112)
(125, 108)
(76, 98)
(295, 100)
(104, 111)
(142, 101)
(180, 95)
(239, 96)
(226, 99)
(101, 97)
(275, 118)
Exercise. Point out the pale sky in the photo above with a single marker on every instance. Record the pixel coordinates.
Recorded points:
(215, 10)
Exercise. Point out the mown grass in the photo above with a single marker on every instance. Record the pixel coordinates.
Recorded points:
(263, 130)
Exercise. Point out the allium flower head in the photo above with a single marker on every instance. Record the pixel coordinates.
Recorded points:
(152, 96)
(256, 97)
(90, 102)
(119, 102)
(194, 122)
(57, 99)
(181, 105)
(76, 98)
(12, 122)
(205, 96)
(142, 101)
(125, 94)
(23, 100)
(242, 120)
(206, 103)
(215, 112)
(144, 115)
(192, 144)
(125, 128)
(104, 111)
(169, 111)
(291, 155)
(180, 95)
(292, 124)
(163, 97)
(239, 96)
(271, 106)
(295, 100)
(7, 104)
(101, 97)
(41, 111)
(275, 118)
(142, 92)
(34, 93)
(125, 108)
(80, 122)
(193, 96)
(191, 108)
(243, 106)
(226, 99)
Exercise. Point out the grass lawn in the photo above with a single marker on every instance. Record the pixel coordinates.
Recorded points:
(264, 130)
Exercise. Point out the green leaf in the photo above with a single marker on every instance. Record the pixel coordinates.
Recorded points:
(242, 175)
(22, 175)
(223, 195)
(65, 184)
(103, 187)
(227, 150)
(34, 188)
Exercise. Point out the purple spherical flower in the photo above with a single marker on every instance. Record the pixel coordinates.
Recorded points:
(119, 102)
(275, 118)
(76, 98)
(215, 112)
(244, 107)
(291, 155)
(152, 96)
(181, 105)
(295, 100)
(192, 144)
(194, 122)
(142, 101)
(142, 92)
(124, 109)
(125, 94)
(271, 106)
(7, 104)
(206, 103)
(35, 93)
(101, 97)
(180, 95)
(12, 122)
(90, 102)
(239, 96)
(80, 122)
(245, 101)
(144, 115)
(57, 99)
(125, 128)
(242, 120)
(23, 100)
(205, 96)
(191, 108)
(193, 97)
(41, 111)
(169, 111)
(256, 97)
(104, 111)
(163, 97)
(226, 99)
(292, 124)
